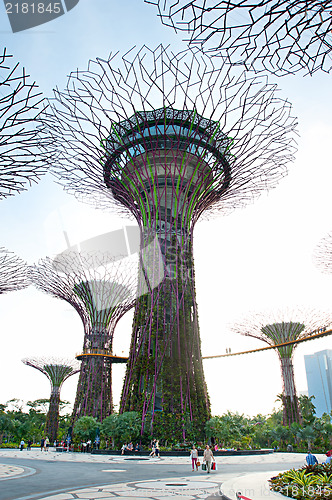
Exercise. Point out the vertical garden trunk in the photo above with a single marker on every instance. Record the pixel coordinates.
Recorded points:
(52, 419)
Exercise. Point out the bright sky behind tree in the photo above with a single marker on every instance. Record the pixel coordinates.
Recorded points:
(256, 258)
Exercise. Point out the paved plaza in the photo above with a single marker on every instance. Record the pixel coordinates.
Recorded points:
(65, 476)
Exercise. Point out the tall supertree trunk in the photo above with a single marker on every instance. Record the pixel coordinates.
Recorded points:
(94, 389)
(165, 370)
(291, 410)
(52, 419)
(282, 330)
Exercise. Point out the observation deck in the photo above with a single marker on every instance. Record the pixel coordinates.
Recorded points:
(168, 130)
(103, 353)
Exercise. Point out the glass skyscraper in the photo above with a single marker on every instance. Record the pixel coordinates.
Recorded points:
(318, 368)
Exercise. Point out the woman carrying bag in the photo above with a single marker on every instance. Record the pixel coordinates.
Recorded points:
(194, 458)
(208, 458)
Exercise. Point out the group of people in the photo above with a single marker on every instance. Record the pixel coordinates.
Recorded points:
(86, 446)
(129, 447)
(208, 458)
(312, 459)
(44, 444)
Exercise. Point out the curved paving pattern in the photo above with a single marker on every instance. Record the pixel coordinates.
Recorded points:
(12, 471)
(184, 488)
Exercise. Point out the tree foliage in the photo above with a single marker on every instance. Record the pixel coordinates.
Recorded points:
(85, 428)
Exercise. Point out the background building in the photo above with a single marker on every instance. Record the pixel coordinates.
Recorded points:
(318, 368)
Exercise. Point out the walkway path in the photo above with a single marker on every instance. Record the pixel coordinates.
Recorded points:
(248, 474)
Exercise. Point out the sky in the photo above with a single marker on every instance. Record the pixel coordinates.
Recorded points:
(256, 258)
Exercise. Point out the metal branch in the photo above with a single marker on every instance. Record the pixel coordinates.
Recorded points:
(282, 36)
(13, 272)
(323, 254)
(23, 151)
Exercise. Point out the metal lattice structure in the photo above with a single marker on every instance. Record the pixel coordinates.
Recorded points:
(281, 36)
(22, 149)
(101, 291)
(168, 138)
(13, 272)
(277, 327)
(323, 254)
(57, 371)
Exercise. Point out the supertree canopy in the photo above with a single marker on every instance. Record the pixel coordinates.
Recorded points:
(279, 327)
(22, 160)
(13, 272)
(281, 36)
(57, 371)
(101, 291)
(168, 138)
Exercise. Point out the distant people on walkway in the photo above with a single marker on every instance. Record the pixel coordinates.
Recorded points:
(97, 443)
(194, 458)
(42, 441)
(123, 448)
(88, 445)
(216, 447)
(137, 447)
(208, 457)
(311, 459)
(130, 446)
(29, 445)
(46, 444)
(22, 445)
(157, 450)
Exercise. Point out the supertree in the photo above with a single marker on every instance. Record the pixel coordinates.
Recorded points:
(22, 159)
(281, 36)
(57, 371)
(279, 327)
(13, 272)
(101, 291)
(167, 138)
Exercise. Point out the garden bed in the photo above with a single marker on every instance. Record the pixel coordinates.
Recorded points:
(313, 482)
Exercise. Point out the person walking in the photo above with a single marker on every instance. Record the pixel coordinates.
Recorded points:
(153, 451)
(46, 444)
(22, 445)
(208, 457)
(29, 445)
(42, 441)
(194, 458)
(88, 445)
(157, 451)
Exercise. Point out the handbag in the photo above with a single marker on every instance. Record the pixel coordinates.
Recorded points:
(198, 463)
(214, 466)
(203, 466)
